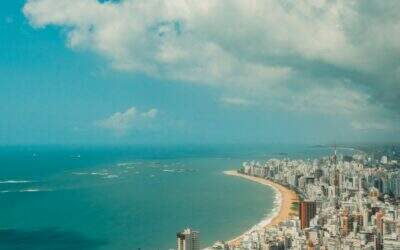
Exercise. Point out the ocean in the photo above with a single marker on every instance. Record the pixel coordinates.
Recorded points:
(130, 197)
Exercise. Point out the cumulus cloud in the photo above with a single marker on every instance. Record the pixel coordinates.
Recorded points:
(289, 51)
(123, 122)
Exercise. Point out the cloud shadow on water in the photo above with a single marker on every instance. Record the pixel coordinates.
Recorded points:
(46, 239)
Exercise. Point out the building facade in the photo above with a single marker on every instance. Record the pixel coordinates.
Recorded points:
(188, 240)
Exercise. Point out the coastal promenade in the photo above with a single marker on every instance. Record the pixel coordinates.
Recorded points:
(287, 198)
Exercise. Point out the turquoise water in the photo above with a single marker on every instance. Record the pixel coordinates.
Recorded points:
(129, 197)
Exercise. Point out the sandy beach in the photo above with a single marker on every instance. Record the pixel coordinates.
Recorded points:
(286, 196)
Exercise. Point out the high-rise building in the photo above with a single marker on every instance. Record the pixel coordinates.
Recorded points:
(384, 159)
(346, 223)
(188, 240)
(379, 221)
(307, 211)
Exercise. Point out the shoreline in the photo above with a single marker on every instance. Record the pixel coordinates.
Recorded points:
(285, 197)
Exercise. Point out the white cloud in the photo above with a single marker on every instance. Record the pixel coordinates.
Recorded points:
(212, 36)
(123, 122)
(263, 46)
(208, 41)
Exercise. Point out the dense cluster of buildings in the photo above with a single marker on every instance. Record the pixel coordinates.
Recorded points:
(347, 202)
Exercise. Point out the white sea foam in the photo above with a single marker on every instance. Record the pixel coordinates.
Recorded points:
(80, 173)
(30, 190)
(111, 176)
(27, 190)
(269, 217)
(179, 170)
(125, 164)
(99, 173)
(169, 170)
(14, 181)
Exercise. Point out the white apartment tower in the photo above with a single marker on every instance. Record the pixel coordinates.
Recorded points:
(188, 240)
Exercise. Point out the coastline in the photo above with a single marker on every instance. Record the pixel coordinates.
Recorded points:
(285, 199)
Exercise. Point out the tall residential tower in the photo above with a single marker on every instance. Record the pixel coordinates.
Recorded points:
(307, 211)
(188, 240)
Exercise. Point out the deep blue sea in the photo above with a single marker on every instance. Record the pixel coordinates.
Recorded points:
(129, 197)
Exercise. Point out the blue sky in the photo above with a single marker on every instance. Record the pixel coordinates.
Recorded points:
(134, 72)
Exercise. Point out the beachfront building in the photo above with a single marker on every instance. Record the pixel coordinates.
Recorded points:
(307, 211)
(219, 245)
(188, 240)
(348, 202)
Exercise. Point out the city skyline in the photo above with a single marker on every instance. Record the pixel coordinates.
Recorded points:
(346, 202)
(176, 72)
